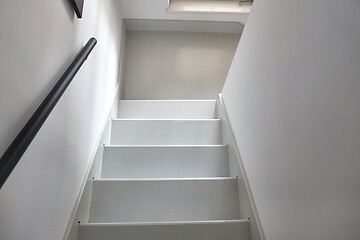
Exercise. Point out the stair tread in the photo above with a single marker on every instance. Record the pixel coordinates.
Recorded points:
(164, 161)
(167, 100)
(166, 223)
(165, 132)
(194, 230)
(168, 119)
(165, 146)
(167, 108)
(164, 199)
(163, 179)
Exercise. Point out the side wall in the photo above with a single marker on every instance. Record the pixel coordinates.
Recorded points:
(38, 41)
(292, 96)
(177, 65)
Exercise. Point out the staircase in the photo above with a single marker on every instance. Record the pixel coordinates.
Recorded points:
(165, 176)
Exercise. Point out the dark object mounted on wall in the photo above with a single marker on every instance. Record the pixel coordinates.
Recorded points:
(78, 7)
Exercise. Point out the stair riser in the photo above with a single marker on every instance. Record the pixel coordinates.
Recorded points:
(223, 231)
(160, 109)
(165, 162)
(158, 201)
(165, 132)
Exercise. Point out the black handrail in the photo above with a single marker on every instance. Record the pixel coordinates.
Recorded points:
(17, 148)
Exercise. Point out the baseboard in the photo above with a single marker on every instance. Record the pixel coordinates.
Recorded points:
(72, 220)
(256, 227)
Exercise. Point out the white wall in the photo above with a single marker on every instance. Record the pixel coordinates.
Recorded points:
(177, 65)
(38, 41)
(292, 96)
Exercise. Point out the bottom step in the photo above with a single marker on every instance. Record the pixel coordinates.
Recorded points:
(193, 230)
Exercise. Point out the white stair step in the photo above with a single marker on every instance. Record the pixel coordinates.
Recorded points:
(167, 109)
(165, 161)
(205, 230)
(165, 132)
(160, 200)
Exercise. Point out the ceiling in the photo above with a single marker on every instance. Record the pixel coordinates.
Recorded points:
(183, 26)
(157, 9)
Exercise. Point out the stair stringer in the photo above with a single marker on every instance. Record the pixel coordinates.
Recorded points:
(236, 168)
(81, 208)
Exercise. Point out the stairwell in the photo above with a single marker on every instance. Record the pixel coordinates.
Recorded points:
(165, 175)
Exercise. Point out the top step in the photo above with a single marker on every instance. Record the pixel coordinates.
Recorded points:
(167, 109)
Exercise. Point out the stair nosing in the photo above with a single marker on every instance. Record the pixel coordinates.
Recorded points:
(165, 146)
(166, 223)
(164, 179)
(169, 119)
(169, 100)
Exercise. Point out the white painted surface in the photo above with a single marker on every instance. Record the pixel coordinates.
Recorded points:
(157, 9)
(164, 200)
(182, 26)
(205, 230)
(292, 96)
(38, 41)
(81, 210)
(211, 6)
(164, 162)
(166, 132)
(236, 168)
(177, 65)
(167, 109)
